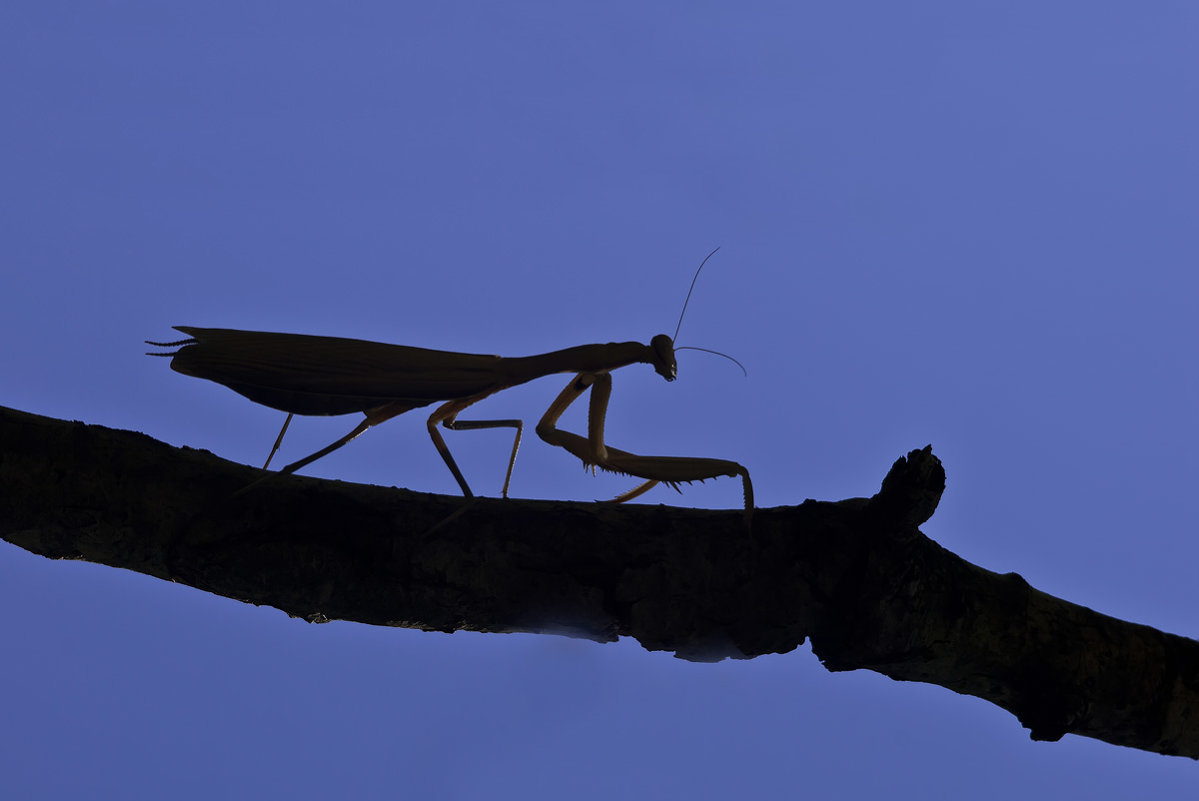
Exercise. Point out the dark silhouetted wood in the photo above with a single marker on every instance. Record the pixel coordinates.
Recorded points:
(857, 577)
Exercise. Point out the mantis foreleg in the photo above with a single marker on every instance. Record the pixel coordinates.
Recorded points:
(595, 453)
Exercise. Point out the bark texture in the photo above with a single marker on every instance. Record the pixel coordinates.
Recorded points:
(856, 576)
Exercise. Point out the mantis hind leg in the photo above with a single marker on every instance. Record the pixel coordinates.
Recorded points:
(309, 459)
(328, 449)
(278, 440)
(374, 416)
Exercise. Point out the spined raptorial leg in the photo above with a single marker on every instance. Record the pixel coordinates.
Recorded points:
(671, 470)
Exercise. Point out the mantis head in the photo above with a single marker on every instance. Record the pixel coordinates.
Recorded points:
(663, 357)
(663, 346)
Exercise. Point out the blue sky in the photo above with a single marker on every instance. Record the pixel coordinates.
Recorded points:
(965, 224)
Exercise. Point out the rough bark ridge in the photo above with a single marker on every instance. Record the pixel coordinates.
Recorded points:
(856, 576)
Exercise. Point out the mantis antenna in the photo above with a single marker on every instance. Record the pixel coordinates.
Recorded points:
(687, 300)
(691, 288)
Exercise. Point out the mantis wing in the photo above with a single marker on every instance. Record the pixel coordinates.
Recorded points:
(318, 375)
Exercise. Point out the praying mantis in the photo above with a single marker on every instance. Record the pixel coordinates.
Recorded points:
(316, 375)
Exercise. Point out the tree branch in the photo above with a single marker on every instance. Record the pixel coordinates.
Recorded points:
(856, 576)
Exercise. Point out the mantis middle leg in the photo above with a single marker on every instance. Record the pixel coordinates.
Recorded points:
(447, 415)
(595, 453)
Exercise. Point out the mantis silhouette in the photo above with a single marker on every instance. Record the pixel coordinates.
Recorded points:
(315, 375)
